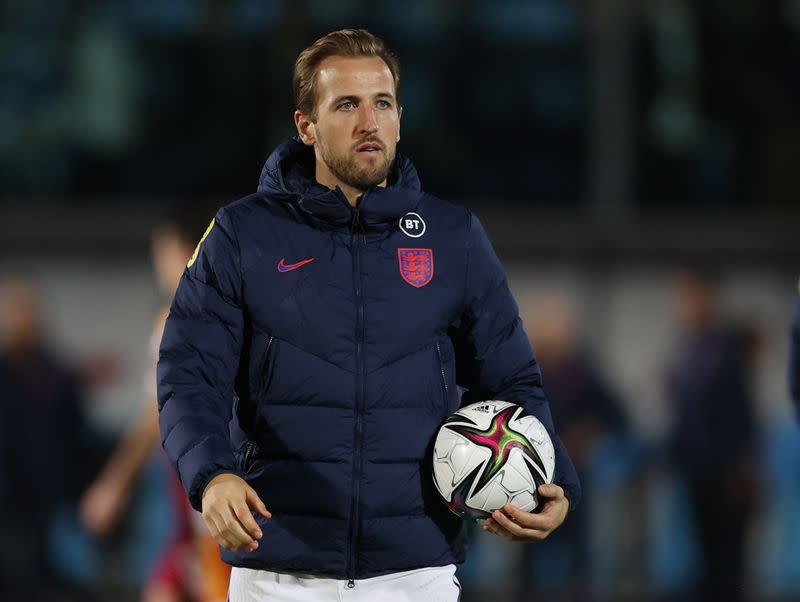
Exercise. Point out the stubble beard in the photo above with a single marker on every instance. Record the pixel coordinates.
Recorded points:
(346, 169)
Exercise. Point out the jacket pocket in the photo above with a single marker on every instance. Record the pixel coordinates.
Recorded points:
(446, 364)
(266, 368)
(249, 454)
(251, 461)
(442, 374)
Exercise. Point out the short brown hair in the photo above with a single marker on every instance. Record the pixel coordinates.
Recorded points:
(345, 42)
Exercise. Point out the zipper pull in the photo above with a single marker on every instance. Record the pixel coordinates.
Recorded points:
(356, 221)
(248, 456)
(351, 584)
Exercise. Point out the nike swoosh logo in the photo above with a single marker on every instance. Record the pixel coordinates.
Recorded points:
(282, 267)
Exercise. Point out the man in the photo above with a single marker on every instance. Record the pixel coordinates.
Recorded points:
(587, 413)
(44, 446)
(713, 440)
(190, 567)
(314, 347)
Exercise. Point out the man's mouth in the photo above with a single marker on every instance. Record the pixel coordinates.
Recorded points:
(369, 147)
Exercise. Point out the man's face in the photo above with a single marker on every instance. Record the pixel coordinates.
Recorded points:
(20, 317)
(358, 120)
(693, 300)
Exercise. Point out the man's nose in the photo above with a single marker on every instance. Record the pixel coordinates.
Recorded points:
(368, 122)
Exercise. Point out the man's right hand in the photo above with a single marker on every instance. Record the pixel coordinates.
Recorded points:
(227, 501)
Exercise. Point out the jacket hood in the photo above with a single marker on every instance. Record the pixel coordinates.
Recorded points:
(289, 174)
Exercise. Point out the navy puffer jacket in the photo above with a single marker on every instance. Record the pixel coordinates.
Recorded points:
(314, 349)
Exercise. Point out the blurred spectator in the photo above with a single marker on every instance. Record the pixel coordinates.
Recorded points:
(712, 444)
(188, 568)
(42, 438)
(585, 411)
(794, 358)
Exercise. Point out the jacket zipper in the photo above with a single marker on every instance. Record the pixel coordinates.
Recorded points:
(250, 447)
(357, 228)
(444, 376)
(263, 370)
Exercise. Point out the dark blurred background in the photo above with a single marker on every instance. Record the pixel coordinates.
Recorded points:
(635, 164)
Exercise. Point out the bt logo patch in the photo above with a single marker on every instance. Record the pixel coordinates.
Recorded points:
(412, 225)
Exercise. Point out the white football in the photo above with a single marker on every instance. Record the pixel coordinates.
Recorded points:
(489, 454)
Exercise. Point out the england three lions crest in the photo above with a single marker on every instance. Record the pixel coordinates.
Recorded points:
(416, 266)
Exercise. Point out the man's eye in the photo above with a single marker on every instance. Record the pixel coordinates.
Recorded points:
(384, 104)
(347, 105)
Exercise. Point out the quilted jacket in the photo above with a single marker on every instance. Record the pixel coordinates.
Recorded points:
(314, 349)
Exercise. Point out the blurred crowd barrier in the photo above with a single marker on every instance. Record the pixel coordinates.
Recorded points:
(608, 335)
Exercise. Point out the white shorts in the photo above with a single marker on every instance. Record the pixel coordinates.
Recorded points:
(434, 584)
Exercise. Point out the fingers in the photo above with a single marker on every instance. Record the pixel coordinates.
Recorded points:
(230, 532)
(227, 501)
(237, 532)
(218, 533)
(246, 519)
(492, 527)
(546, 520)
(512, 523)
(254, 502)
(516, 530)
(550, 491)
(100, 507)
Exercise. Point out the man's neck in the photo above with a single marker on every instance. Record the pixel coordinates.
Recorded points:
(353, 194)
(324, 176)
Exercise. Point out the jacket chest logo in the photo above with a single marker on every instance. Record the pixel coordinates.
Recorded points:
(283, 267)
(412, 225)
(416, 266)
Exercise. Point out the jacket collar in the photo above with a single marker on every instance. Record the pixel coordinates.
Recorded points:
(288, 174)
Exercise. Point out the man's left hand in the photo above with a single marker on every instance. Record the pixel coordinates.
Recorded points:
(514, 524)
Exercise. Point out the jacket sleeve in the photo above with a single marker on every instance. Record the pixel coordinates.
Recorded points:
(492, 344)
(199, 359)
(794, 358)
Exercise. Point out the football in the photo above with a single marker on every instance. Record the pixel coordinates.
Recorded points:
(489, 454)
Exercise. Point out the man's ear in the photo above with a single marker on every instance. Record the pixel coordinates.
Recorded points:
(305, 128)
(399, 120)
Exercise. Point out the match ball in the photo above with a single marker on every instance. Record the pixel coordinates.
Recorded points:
(489, 454)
